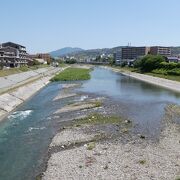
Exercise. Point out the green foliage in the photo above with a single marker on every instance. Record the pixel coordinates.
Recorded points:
(111, 61)
(24, 68)
(160, 71)
(175, 72)
(72, 74)
(1, 66)
(169, 66)
(124, 64)
(100, 119)
(98, 59)
(71, 61)
(149, 63)
(91, 145)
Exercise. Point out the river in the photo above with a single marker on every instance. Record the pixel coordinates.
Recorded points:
(26, 133)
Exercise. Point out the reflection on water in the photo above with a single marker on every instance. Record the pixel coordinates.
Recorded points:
(144, 102)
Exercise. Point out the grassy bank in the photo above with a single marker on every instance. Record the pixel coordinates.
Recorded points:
(170, 77)
(72, 74)
(153, 73)
(7, 72)
(99, 119)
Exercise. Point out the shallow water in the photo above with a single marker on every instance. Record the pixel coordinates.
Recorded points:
(26, 133)
(141, 102)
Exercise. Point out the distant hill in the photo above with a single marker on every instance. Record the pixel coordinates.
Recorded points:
(65, 51)
(80, 53)
(95, 52)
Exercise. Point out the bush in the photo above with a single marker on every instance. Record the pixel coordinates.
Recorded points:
(175, 72)
(124, 64)
(169, 66)
(71, 61)
(1, 66)
(160, 71)
(149, 63)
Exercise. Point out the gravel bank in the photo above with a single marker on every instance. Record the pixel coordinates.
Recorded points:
(115, 152)
(136, 159)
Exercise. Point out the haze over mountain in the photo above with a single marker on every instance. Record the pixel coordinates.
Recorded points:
(65, 51)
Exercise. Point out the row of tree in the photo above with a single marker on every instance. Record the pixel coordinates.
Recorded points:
(157, 64)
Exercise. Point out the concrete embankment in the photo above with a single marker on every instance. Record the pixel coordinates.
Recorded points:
(168, 84)
(20, 87)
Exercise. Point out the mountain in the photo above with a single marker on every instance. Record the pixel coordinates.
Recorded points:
(80, 53)
(91, 53)
(65, 51)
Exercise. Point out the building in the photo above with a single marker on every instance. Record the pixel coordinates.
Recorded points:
(118, 57)
(13, 55)
(44, 56)
(160, 50)
(174, 59)
(132, 53)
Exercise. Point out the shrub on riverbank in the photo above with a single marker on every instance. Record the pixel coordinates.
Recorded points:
(149, 63)
(174, 72)
(72, 74)
(156, 65)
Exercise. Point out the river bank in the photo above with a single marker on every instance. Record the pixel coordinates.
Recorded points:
(169, 84)
(88, 146)
(18, 88)
(99, 115)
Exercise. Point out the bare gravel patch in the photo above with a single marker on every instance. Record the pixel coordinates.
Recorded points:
(119, 161)
(75, 107)
(66, 86)
(64, 95)
(71, 136)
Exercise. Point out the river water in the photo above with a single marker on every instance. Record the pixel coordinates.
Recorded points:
(26, 133)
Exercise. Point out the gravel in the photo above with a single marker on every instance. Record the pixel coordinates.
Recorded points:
(136, 159)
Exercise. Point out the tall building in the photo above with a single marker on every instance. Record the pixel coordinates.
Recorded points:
(132, 53)
(13, 55)
(118, 57)
(159, 50)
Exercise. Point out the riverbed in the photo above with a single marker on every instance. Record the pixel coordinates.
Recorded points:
(27, 132)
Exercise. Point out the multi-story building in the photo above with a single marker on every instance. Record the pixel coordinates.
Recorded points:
(132, 53)
(159, 50)
(13, 55)
(118, 57)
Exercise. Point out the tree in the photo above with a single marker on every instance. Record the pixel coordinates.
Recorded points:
(111, 61)
(149, 63)
(98, 59)
(71, 61)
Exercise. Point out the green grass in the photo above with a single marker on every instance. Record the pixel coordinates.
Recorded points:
(7, 72)
(96, 119)
(170, 77)
(91, 145)
(72, 74)
(62, 65)
(158, 74)
(142, 162)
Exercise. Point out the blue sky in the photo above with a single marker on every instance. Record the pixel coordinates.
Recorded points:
(46, 25)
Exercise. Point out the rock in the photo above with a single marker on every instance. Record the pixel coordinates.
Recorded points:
(106, 167)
